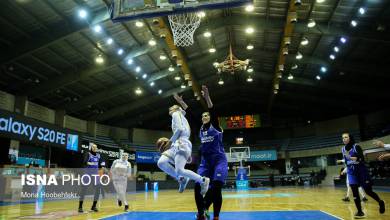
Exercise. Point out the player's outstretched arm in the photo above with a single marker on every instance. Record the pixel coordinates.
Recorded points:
(206, 96)
(179, 99)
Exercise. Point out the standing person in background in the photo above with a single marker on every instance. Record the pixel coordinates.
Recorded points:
(358, 174)
(121, 171)
(92, 161)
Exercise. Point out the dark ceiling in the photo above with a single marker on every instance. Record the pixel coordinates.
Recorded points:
(48, 54)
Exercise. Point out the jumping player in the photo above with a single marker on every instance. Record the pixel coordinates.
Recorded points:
(177, 150)
(358, 174)
(121, 171)
(213, 159)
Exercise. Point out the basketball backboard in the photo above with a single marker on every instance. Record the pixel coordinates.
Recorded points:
(238, 154)
(123, 10)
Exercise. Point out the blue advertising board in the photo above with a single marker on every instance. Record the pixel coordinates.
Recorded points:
(263, 155)
(17, 126)
(147, 157)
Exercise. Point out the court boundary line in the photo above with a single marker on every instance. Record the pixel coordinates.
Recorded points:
(331, 214)
(125, 213)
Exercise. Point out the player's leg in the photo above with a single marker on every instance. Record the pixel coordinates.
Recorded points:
(201, 201)
(164, 164)
(372, 194)
(96, 194)
(217, 197)
(356, 199)
(220, 174)
(83, 191)
(363, 194)
(346, 198)
(180, 162)
(208, 199)
(123, 192)
(117, 190)
(183, 152)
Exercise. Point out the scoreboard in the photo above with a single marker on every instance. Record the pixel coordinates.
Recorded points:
(240, 121)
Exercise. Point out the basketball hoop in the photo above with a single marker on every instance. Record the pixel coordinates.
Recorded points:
(183, 27)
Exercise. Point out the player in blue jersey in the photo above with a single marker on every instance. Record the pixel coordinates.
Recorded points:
(213, 159)
(92, 161)
(358, 174)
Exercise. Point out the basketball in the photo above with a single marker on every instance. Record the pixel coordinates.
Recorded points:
(161, 143)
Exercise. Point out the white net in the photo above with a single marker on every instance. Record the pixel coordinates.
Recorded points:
(183, 27)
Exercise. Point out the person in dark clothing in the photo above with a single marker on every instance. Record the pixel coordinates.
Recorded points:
(213, 159)
(357, 174)
(92, 162)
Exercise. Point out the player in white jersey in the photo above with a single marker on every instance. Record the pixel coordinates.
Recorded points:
(121, 171)
(177, 150)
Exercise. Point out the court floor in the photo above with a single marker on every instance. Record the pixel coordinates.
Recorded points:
(265, 203)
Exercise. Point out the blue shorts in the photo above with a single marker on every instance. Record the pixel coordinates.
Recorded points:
(359, 176)
(214, 169)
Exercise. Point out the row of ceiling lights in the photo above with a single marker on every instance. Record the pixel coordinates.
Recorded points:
(336, 49)
(293, 17)
(83, 14)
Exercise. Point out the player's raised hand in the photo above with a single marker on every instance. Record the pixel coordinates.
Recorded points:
(378, 143)
(205, 91)
(178, 98)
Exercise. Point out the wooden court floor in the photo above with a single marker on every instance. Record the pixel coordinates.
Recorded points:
(326, 199)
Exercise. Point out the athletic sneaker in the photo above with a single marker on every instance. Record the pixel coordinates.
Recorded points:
(94, 209)
(364, 199)
(382, 207)
(202, 217)
(345, 199)
(183, 183)
(207, 214)
(360, 215)
(119, 202)
(81, 210)
(204, 186)
(126, 208)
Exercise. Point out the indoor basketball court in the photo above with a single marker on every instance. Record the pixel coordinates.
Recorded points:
(195, 109)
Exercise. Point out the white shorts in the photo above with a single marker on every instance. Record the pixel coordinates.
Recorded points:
(347, 181)
(181, 146)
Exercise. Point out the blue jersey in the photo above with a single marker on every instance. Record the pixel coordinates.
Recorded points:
(351, 164)
(356, 170)
(213, 163)
(212, 145)
(93, 160)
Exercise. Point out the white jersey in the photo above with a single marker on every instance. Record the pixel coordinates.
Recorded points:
(121, 168)
(180, 127)
(181, 137)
